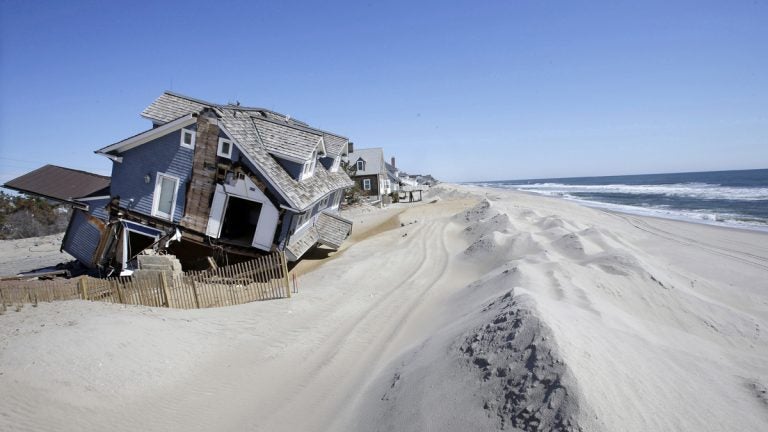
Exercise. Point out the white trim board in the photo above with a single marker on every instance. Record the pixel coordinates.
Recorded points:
(149, 135)
(156, 196)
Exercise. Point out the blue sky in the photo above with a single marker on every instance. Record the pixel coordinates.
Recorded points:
(464, 90)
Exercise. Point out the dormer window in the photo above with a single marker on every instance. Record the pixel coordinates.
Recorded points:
(360, 165)
(336, 162)
(187, 138)
(309, 166)
(225, 148)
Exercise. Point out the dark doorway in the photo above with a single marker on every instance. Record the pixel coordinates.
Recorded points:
(240, 221)
(137, 242)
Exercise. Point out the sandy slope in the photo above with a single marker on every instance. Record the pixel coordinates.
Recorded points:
(28, 254)
(486, 309)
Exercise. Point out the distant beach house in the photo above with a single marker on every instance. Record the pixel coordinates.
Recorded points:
(393, 175)
(369, 171)
(210, 178)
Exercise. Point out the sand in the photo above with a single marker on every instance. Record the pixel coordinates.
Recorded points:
(475, 310)
(28, 254)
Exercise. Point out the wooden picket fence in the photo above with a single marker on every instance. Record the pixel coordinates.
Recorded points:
(264, 278)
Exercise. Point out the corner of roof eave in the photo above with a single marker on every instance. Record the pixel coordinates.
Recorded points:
(152, 119)
(112, 157)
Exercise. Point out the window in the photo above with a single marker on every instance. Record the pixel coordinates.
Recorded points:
(324, 202)
(225, 148)
(336, 162)
(361, 165)
(309, 166)
(301, 220)
(366, 184)
(188, 138)
(164, 197)
(336, 198)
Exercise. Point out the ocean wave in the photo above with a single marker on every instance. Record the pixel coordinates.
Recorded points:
(681, 190)
(733, 220)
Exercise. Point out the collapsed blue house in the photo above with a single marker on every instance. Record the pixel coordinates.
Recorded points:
(211, 179)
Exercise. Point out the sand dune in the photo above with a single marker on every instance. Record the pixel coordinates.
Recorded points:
(483, 310)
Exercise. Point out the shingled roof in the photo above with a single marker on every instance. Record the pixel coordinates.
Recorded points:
(59, 183)
(251, 129)
(332, 229)
(335, 145)
(374, 160)
(283, 140)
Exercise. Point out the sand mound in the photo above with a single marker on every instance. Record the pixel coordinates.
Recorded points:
(522, 379)
(570, 245)
(447, 191)
(498, 223)
(482, 210)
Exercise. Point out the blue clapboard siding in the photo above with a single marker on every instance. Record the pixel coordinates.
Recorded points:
(98, 208)
(82, 238)
(162, 155)
(292, 168)
(327, 162)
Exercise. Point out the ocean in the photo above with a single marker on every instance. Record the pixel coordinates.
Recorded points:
(728, 198)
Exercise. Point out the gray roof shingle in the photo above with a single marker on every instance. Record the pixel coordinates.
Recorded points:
(252, 135)
(284, 140)
(303, 242)
(335, 145)
(374, 160)
(332, 229)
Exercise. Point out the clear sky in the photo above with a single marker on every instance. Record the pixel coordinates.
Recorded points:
(467, 91)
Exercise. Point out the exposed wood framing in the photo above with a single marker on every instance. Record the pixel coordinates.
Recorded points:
(202, 185)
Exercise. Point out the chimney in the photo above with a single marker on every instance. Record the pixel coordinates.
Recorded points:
(393, 163)
(351, 148)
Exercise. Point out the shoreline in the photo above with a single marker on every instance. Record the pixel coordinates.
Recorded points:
(641, 211)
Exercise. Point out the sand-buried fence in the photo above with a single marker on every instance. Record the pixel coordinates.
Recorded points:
(264, 278)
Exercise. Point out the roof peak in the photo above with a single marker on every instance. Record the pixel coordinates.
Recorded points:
(288, 120)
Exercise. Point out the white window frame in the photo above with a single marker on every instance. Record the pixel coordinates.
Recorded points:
(156, 196)
(181, 140)
(302, 220)
(336, 163)
(308, 170)
(220, 152)
(336, 200)
(367, 184)
(360, 164)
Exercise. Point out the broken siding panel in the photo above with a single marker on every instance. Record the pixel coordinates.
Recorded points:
(98, 208)
(163, 155)
(83, 237)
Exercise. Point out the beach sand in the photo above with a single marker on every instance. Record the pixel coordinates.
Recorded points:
(478, 309)
(17, 256)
